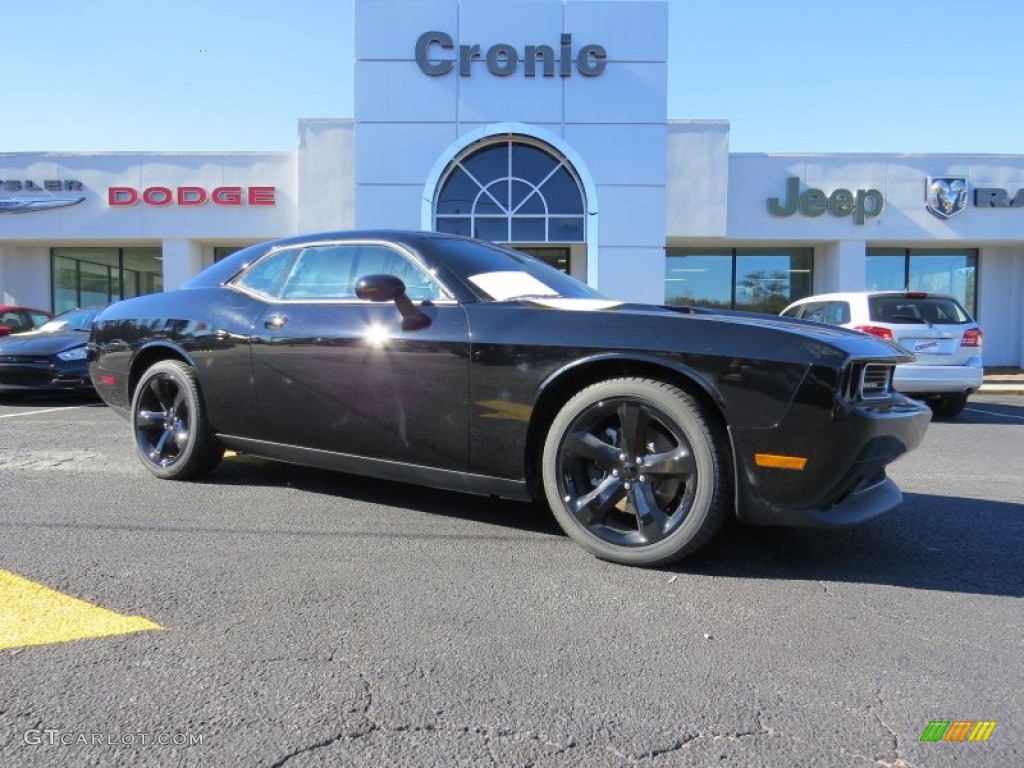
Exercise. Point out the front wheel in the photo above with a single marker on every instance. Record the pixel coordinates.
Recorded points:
(947, 406)
(636, 471)
(172, 435)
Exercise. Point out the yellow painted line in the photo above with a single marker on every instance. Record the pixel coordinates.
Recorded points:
(33, 614)
(779, 462)
(245, 458)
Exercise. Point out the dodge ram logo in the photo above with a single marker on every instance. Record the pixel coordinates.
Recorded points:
(945, 196)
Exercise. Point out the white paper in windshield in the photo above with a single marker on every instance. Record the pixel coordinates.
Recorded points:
(582, 305)
(507, 285)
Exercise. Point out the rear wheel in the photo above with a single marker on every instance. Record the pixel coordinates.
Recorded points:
(947, 406)
(637, 472)
(172, 436)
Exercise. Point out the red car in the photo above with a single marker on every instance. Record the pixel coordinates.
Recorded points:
(21, 319)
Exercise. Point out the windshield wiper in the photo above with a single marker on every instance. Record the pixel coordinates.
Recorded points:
(528, 296)
(906, 319)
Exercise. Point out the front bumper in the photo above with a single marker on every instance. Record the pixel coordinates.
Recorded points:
(44, 374)
(847, 447)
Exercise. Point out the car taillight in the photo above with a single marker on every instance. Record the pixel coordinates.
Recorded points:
(875, 330)
(972, 338)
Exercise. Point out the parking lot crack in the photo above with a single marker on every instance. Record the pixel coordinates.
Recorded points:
(685, 743)
(311, 748)
(898, 761)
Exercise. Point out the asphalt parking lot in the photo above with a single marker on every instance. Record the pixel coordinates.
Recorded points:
(308, 618)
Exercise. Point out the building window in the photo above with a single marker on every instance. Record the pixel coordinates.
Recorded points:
(94, 277)
(555, 257)
(954, 272)
(511, 191)
(752, 279)
(223, 251)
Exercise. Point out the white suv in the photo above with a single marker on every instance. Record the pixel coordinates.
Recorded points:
(932, 326)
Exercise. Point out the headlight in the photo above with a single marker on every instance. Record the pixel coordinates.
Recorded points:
(78, 353)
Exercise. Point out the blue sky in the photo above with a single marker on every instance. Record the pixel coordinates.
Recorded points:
(790, 76)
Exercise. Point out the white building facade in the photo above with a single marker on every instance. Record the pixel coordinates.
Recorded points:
(542, 124)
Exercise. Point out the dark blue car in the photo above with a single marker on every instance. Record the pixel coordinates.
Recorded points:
(51, 358)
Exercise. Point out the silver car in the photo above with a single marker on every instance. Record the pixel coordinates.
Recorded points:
(934, 327)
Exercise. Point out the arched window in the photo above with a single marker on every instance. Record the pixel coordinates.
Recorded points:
(511, 191)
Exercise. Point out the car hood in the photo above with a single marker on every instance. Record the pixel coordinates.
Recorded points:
(661, 327)
(813, 330)
(42, 342)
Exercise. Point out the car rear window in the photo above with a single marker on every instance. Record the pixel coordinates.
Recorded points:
(935, 310)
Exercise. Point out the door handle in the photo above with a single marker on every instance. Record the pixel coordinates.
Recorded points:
(274, 322)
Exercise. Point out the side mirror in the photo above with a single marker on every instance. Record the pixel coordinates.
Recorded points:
(5, 330)
(379, 288)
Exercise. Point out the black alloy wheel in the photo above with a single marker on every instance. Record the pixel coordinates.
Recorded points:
(948, 405)
(171, 432)
(637, 472)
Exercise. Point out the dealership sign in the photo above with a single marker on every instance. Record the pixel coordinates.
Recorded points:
(946, 196)
(503, 59)
(44, 199)
(122, 197)
(863, 204)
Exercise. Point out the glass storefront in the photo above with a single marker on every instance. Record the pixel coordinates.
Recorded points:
(94, 277)
(752, 279)
(954, 272)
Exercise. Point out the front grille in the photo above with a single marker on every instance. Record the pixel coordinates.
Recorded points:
(875, 381)
(24, 359)
(867, 381)
(10, 379)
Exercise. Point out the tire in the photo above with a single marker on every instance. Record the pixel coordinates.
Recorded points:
(172, 435)
(947, 406)
(595, 484)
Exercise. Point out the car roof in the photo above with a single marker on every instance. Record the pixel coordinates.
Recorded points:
(865, 294)
(5, 307)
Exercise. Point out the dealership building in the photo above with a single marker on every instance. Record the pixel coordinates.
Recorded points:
(543, 125)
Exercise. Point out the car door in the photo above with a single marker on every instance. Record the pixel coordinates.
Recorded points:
(335, 373)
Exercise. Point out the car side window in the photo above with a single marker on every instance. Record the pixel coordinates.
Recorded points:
(14, 320)
(326, 272)
(265, 276)
(815, 311)
(321, 272)
(330, 272)
(793, 311)
(838, 312)
(38, 318)
(377, 259)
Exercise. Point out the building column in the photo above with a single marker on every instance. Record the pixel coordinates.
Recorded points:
(182, 259)
(1000, 289)
(839, 266)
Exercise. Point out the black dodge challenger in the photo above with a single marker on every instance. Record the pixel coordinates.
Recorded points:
(426, 358)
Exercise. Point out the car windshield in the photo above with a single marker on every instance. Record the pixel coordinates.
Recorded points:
(502, 274)
(72, 320)
(909, 309)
